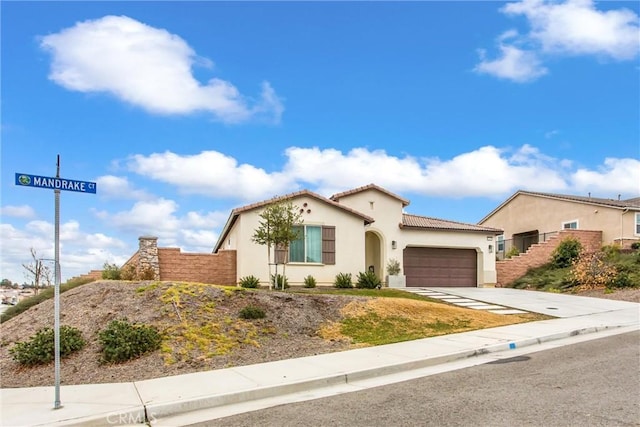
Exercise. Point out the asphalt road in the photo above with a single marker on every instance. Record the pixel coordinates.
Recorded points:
(594, 383)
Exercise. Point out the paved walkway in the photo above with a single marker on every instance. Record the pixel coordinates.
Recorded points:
(464, 302)
(192, 398)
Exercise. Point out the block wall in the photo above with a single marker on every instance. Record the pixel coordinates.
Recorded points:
(537, 255)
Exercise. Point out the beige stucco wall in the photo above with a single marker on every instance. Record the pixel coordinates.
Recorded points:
(387, 212)
(350, 244)
(526, 213)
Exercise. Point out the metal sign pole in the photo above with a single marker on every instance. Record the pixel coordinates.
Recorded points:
(57, 184)
(56, 294)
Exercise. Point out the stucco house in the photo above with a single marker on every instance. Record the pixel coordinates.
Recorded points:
(530, 217)
(362, 229)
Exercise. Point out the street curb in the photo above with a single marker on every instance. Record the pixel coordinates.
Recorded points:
(175, 409)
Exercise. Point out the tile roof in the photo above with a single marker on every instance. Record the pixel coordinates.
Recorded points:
(337, 196)
(300, 193)
(415, 221)
(635, 202)
(237, 211)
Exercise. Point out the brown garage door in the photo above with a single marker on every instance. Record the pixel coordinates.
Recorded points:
(440, 267)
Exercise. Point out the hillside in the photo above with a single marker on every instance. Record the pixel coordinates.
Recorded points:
(203, 331)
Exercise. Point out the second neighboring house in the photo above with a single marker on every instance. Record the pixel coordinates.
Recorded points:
(362, 229)
(530, 217)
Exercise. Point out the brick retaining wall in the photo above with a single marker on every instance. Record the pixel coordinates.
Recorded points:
(93, 275)
(219, 269)
(173, 264)
(539, 254)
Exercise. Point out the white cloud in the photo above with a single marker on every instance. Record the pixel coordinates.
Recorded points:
(514, 64)
(79, 251)
(193, 231)
(209, 173)
(573, 27)
(117, 187)
(615, 176)
(147, 67)
(550, 134)
(487, 171)
(22, 211)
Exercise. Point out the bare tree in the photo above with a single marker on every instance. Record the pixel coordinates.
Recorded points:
(38, 272)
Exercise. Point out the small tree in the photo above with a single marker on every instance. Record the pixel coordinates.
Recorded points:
(276, 229)
(393, 267)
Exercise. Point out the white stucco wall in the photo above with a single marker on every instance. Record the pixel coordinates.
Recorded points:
(350, 244)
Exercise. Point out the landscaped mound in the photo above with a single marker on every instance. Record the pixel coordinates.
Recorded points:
(204, 327)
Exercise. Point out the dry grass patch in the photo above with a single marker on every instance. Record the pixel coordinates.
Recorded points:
(389, 320)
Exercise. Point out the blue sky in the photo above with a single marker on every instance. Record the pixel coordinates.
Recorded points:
(182, 111)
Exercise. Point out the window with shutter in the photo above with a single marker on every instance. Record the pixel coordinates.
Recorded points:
(329, 245)
(315, 244)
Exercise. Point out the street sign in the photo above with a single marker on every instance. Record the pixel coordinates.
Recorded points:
(28, 180)
(56, 184)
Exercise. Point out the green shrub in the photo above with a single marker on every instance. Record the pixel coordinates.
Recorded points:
(567, 251)
(343, 280)
(40, 348)
(252, 312)
(635, 245)
(279, 281)
(309, 282)
(611, 251)
(249, 282)
(110, 271)
(512, 252)
(622, 280)
(122, 341)
(393, 267)
(368, 280)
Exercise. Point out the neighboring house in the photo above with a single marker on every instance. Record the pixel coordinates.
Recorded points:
(363, 229)
(529, 217)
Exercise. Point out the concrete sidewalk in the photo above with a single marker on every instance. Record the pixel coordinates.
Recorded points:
(191, 398)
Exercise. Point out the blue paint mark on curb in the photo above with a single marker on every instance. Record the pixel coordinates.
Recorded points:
(512, 345)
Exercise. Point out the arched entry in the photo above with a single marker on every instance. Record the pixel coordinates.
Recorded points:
(373, 252)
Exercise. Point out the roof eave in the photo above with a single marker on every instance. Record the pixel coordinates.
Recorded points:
(493, 231)
(233, 216)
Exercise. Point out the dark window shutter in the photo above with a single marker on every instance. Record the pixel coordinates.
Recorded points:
(281, 254)
(328, 245)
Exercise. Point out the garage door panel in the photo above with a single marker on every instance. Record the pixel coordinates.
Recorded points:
(440, 267)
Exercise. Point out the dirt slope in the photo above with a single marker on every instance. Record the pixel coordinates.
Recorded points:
(288, 331)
